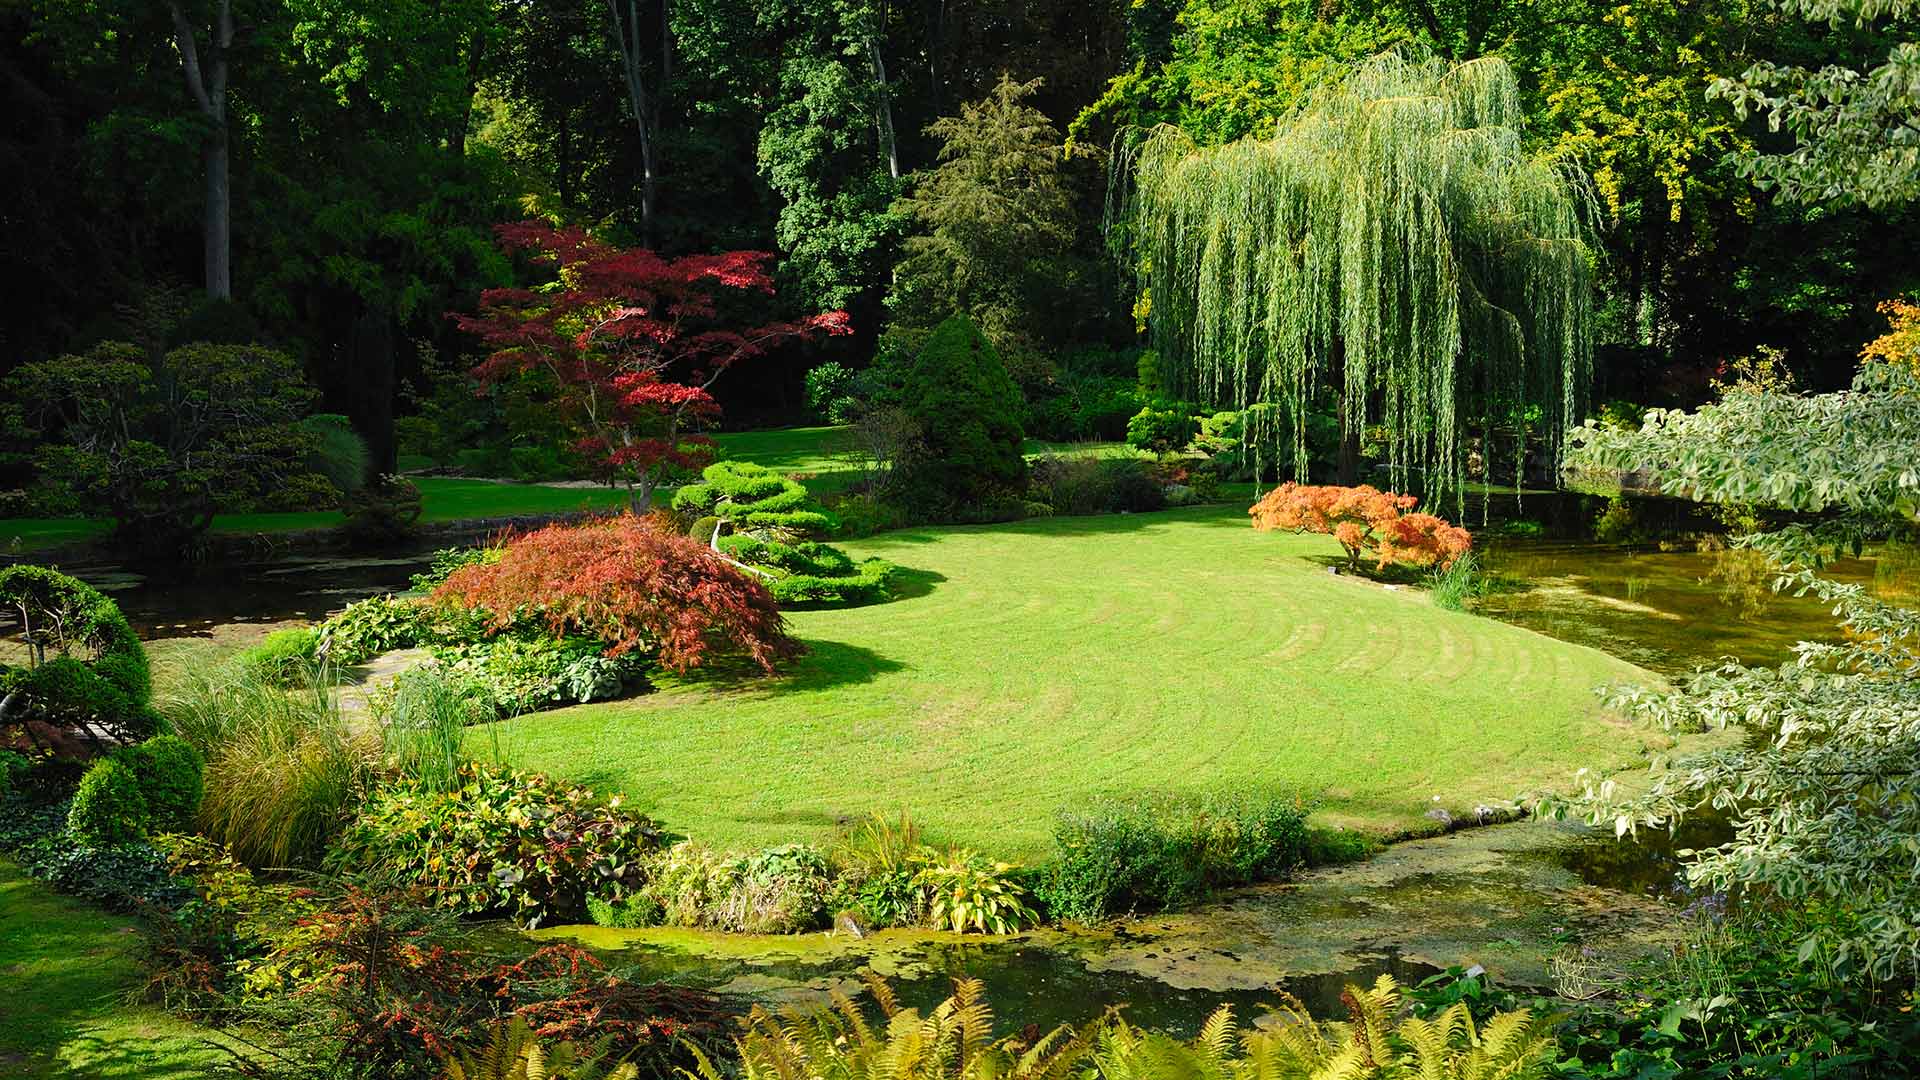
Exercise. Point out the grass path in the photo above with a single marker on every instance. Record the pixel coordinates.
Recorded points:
(1032, 665)
(65, 974)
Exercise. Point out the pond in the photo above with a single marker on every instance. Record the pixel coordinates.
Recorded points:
(1671, 610)
(1512, 898)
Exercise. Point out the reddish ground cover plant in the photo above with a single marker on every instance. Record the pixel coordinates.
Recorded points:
(633, 340)
(1366, 521)
(633, 583)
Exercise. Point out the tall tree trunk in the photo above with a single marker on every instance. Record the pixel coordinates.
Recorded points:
(218, 229)
(885, 109)
(626, 36)
(207, 85)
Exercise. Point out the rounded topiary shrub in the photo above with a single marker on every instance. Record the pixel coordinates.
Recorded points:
(108, 808)
(86, 667)
(968, 410)
(172, 776)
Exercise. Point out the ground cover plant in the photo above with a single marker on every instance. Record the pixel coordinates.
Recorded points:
(1385, 702)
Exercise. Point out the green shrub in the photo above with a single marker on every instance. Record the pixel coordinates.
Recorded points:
(966, 892)
(283, 767)
(863, 515)
(13, 768)
(370, 627)
(780, 890)
(1082, 484)
(535, 463)
(383, 511)
(87, 668)
(522, 673)
(1156, 853)
(830, 393)
(1161, 430)
(507, 841)
(338, 453)
(108, 808)
(284, 657)
(171, 775)
(446, 561)
(968, 411)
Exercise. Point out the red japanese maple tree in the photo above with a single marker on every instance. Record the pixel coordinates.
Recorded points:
(634, 341)
(633, 582)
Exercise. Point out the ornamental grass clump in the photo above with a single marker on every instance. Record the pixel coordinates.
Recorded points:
(632, 583)
(283, 767)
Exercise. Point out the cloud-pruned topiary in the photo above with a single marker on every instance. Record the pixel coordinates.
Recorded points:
(754, 497)
(772, 517)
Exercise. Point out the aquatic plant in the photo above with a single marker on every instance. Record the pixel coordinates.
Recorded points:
(1392, 242)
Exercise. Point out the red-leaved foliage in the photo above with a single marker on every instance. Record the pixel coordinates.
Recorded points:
(634, 584)
(634, 341)
(1366, 521)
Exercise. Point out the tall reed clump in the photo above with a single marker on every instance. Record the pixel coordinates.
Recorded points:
(284, 766)
(424, 738)
(1456, 585)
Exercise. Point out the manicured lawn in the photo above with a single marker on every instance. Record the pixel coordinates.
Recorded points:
(1030, 666)
(75, 1021)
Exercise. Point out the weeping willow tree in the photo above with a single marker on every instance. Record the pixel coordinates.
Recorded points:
(1393, 247)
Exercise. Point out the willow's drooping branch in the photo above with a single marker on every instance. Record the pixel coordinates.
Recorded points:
(1391, 246)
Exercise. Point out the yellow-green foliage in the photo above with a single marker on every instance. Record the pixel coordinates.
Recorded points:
(952, 1042)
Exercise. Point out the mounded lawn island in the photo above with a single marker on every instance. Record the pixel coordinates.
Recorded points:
(1029, 668)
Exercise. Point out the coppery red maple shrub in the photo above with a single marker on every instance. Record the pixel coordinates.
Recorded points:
(1366, 521)
(634, 584)
(634, 341)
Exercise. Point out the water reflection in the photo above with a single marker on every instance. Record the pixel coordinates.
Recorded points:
(1671, 611)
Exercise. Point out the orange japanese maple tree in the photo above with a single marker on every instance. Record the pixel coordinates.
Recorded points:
(634, 341)
(1366, 521)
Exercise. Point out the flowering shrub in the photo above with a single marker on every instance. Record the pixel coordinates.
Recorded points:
(632, 583)
(1366, 521)
(500, 841)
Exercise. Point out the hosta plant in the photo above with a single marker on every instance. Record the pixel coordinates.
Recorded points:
(966, 892)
